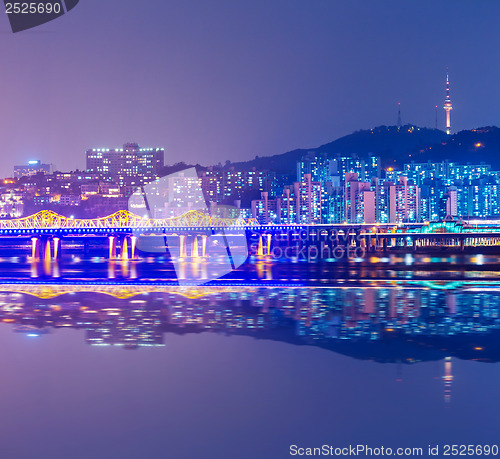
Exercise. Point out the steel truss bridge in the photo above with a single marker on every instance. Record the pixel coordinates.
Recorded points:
(49, 221)
(47, 229)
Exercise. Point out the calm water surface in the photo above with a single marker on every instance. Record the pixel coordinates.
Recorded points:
(133, 368)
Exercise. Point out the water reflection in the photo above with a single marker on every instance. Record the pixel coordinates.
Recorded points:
(381, 321)
(262, 271)
(427, 321)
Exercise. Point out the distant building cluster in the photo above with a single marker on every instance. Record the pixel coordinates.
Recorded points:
(32, 168)
(349, 190)
(327, 189)
(111, 176)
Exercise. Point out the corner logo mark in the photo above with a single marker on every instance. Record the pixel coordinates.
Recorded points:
(29, 14)
(205, 243)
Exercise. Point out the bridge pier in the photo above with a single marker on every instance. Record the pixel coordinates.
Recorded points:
(35, 248)
(204, 245)
(43, 247)
(194, 247)
(112, 247)
(133, 244)
(124, 255)
(260, 248)
(57, 248)
(268, 246)
(182, 246)
(126, 244)
(46, 250)
(371, 244)
(47, 256)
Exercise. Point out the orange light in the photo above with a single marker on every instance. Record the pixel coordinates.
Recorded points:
(7, 320)
(478, 348)
(390, 169)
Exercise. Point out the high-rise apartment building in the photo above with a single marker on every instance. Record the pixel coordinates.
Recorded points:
(127, 162)
(287, 207)
(359, 200)
(227, 185)
(308, 200)
(404, 202)
(266, 210)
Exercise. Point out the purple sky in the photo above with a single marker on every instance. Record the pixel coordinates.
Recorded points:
(218, 80)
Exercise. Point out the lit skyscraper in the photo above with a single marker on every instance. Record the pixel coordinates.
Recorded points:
(129, 161)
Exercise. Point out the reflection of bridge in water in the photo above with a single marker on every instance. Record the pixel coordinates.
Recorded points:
(371, 311)
(46, 230)
(128, 290)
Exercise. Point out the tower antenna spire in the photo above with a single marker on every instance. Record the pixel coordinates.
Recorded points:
(400, 123)
(447, 104)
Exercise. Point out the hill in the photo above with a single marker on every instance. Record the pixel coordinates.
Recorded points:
(471, 146)
(389, 142)
(395, 146)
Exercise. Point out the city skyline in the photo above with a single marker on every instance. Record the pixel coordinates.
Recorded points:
(103, 160)
(33, 161)
(249, 229)
(326, 189)
(313, 88)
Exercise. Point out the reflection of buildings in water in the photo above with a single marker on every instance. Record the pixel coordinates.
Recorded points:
(414, 318)
(132, 324)
(135, 326)
(447, 378)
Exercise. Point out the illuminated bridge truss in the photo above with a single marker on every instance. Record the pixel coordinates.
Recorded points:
(47, 219)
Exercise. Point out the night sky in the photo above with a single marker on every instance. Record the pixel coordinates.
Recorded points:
(218, 80)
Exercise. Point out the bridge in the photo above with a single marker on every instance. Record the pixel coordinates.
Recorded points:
(47, 220)
(46, 230)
